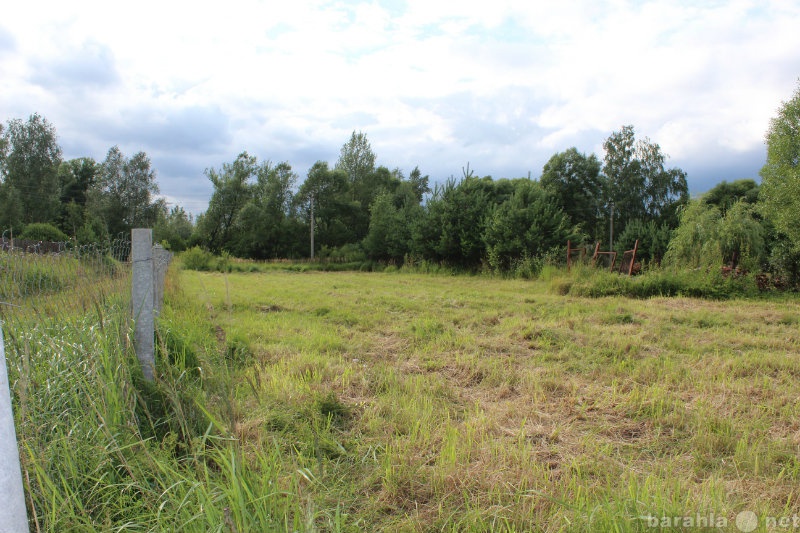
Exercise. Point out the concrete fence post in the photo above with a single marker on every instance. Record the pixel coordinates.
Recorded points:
(161, 260)
(142, 290)
(14, 516)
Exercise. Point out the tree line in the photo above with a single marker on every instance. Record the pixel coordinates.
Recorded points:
(360, 210)
(43, 197)
(357, 210)
(257, 210)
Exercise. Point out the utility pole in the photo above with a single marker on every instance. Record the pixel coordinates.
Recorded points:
(312, 227)
(611, 230)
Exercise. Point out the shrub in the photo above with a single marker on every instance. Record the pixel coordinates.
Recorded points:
(43, 232)
(527, 267)
(348, 253)
(197, 259)
(783, 262)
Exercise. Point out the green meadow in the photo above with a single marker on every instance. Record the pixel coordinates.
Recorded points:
(292, 399)
(410, 402)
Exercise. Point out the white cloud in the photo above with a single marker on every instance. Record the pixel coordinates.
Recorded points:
(702, 79)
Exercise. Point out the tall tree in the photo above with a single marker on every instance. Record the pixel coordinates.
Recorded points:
(573, 181)
(329, 193)
(128, 187)
(11, 210)
(77, 177)
(3, 151)
(232, 190)
(264, 226)
(780, 186)
(637, 182)
(419, 183)
(10, 203)
(30, 167)
(724, 195)
(624, 187)
(357, 160)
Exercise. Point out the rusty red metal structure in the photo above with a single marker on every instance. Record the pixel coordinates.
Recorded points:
(599, 256)
(628, 261)
(626, 265)
(574, 254)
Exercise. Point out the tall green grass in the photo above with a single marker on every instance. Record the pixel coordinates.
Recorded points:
(712, 284)
(103, 450)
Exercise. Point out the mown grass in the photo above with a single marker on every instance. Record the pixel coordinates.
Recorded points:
(345, 401)
(410, 402)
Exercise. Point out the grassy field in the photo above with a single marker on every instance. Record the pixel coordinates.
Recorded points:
(414, 402)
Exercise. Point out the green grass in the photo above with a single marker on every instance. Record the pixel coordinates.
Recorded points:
(472, 403)
(355, 401)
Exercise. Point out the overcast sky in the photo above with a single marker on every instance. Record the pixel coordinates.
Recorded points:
(500, 84)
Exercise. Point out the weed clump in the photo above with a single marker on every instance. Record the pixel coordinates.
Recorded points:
(237, 350)
(330, 407)
(661, 283)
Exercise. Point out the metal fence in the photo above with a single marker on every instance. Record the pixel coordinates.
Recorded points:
(49, 279)
(47, 287)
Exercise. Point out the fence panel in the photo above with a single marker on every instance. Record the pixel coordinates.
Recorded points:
(45, 289)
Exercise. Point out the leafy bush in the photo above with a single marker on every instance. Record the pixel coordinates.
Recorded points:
(524, 228)
(706, 238)
(527, 267)
(197, 259)
(783, 262)
(43, 232)
(349, 253)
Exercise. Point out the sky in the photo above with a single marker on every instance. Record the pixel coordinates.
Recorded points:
(500, 85)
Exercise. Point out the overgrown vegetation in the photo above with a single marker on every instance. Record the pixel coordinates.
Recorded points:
(104, 450)
(711, 283)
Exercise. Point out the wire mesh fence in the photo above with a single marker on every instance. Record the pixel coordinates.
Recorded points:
(61, 280)
(54, 299)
